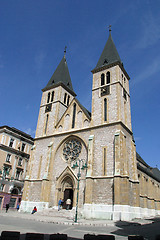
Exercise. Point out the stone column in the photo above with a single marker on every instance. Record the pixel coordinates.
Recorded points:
(89, 180)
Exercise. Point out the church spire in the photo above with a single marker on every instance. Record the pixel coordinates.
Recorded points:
(109, 54)
(61, 75)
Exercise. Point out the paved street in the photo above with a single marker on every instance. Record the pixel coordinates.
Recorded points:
(24, 222)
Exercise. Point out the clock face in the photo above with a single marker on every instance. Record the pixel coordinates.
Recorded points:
(72, 149)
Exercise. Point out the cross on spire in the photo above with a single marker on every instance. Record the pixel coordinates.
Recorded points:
(65, 50)
(110, 28)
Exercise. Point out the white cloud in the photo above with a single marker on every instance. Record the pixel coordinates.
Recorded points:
(150, 31)
(39, 60)
(30, 131)
(149, 71)
(137, 138)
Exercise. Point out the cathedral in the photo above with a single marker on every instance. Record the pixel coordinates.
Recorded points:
(90, 157)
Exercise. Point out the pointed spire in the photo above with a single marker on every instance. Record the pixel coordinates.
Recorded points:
(61, 75)
(109, 54)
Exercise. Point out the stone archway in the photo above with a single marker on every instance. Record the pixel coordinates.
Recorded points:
(68, 191)
(66, 187)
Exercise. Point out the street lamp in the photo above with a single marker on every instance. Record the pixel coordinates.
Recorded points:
(81, 166)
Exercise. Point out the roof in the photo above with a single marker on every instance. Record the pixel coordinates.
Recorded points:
(109, 54)
(61, 75)
(19, 132)
(144, 167)
(88, 114)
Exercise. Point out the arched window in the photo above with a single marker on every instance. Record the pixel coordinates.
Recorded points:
(105, 109)
(102, 79)
(46, 124)
(68, 100)
(65, 97)
(48, 97)
(52, 96)
(74, 115)
(108, 77)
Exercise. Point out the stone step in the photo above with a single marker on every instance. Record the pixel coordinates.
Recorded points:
(55, 213)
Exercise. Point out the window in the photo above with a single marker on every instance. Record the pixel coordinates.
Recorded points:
(46, 123)
(68, 100)
(104, 160)
(72, 149)
(2, 187)
(6, 171)
(105, 109)
(102, 79)
(52, 96)
(108, 77)
(23, 147)
(8, 158)
(20, 162)
(48, 98)
(65, 97)
(11, 142)
(74, 115)
(124, 94)
(18, 174)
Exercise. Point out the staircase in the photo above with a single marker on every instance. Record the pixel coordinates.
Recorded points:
(63, 213)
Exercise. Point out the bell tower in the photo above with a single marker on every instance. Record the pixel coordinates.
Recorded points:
(114, 159)
(56, 97)
(110, 90)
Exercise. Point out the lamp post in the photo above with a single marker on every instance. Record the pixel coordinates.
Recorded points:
(81, 166)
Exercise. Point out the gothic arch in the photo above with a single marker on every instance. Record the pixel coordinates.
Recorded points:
(66, 176)
(66, 185)
(73, 136)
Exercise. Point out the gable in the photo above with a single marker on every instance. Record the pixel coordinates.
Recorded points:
(75, 117)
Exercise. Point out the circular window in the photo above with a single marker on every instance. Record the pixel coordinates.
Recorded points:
(72, 149)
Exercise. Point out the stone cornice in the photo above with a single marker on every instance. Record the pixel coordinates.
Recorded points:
(73, 131)
(14, 151)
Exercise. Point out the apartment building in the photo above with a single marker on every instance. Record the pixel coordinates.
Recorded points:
(15, 147)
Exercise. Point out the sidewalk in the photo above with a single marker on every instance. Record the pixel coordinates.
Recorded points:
(67, 218)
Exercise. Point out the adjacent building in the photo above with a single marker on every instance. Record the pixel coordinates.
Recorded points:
(15, 147)
(90, 154)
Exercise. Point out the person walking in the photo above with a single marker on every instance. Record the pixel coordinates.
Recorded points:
(7, 207)
(68, 203)
(59, 204)
(17, 207)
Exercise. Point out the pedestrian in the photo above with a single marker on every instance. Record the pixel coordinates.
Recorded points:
(68, 203)
(34, 210)
(7, 207)
(17, 207)
(59, 204)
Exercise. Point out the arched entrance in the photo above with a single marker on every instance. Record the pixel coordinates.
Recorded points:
(68, 192)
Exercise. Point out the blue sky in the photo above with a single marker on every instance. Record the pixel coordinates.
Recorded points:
(34, 34)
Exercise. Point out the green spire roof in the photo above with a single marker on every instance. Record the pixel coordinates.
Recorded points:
(61, 75)
(109, 54)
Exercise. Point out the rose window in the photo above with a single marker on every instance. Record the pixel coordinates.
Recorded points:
(72, 149)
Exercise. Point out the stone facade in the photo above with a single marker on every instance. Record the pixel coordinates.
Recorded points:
(116, 183)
